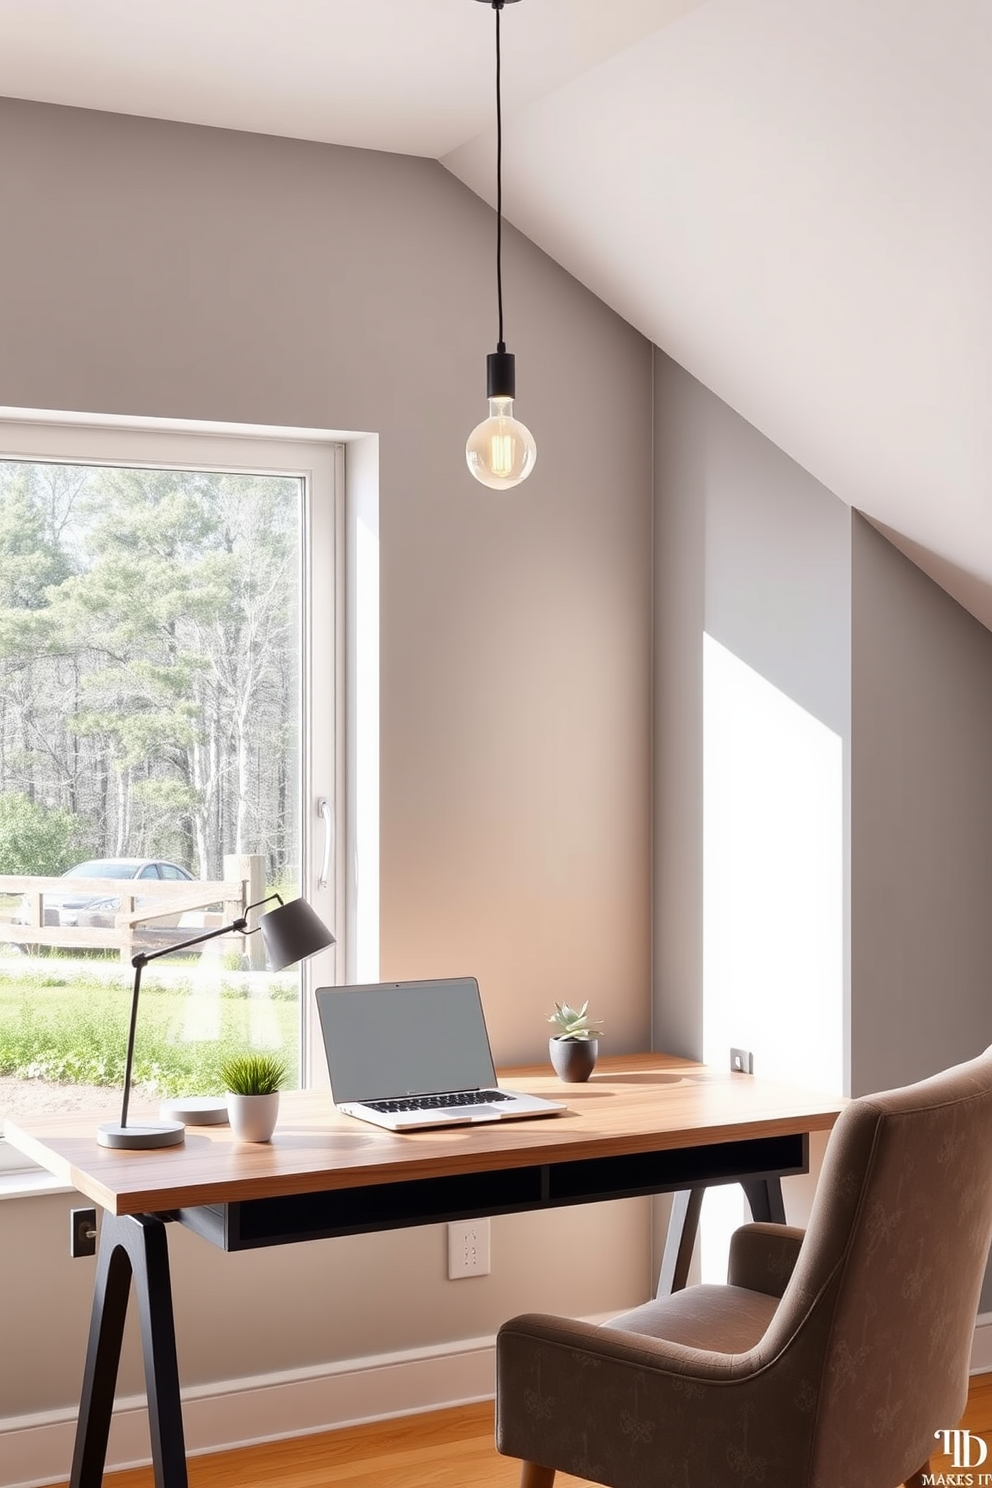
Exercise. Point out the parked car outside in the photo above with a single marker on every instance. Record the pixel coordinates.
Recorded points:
(78, 908)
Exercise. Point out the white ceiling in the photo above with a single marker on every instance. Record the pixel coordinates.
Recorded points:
(792, 197)
(412, 76)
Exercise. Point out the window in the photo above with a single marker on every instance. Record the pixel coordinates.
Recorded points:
(163, 596)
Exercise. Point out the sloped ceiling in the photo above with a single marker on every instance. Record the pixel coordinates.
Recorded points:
(792, 197)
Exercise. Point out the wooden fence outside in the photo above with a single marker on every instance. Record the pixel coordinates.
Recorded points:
(189, 906)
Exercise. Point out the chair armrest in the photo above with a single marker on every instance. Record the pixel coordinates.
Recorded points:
(763, 1256)
(617, 1407)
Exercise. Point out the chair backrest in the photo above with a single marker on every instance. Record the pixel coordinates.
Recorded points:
(881, 1307)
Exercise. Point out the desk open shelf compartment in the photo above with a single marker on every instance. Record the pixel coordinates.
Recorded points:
(252, 1223)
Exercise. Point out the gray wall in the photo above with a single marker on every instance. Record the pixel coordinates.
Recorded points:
(166, 270)
(921, 822)
(749, 548)
(752, 550)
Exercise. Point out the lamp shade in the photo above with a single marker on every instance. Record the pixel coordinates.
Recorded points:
(291, 932)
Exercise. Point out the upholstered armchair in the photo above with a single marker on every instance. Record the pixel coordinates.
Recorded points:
(828, 1360)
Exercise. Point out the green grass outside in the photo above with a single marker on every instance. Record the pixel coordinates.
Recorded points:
(69, 1025)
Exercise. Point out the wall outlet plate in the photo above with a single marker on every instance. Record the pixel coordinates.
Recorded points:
(742, 1061)
(468, 1249)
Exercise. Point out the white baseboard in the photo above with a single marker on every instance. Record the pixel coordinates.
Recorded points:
(37, 1449)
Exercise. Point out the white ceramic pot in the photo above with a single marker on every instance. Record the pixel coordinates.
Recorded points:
(253, 1117)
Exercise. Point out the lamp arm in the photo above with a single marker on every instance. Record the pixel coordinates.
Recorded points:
(141, 960)
(240, 925)
(129, 1058)
(143, 957)
(267, 900)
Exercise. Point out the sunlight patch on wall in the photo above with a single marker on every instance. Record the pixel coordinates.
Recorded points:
(773, 912)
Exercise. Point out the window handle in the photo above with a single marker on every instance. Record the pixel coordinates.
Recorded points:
(327, 816)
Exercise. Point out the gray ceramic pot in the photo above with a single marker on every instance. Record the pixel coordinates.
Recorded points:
(574, 1059)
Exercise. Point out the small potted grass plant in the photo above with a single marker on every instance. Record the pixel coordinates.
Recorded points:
(252, 1083)
(575, 1047)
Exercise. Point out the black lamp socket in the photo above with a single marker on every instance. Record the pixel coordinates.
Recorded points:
(501, 375)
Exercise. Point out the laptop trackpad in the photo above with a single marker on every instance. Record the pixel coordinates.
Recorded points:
(488, 1113)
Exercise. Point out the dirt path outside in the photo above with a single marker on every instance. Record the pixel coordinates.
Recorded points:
(27, 1098)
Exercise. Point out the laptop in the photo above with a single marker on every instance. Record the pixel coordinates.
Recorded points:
(407, 1055)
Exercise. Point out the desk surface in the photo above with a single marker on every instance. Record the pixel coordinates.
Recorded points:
(632, 1104)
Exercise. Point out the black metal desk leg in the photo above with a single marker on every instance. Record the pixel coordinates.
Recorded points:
(764, 1195)
(103, 1352)
(683, 1223)
(131, 1247)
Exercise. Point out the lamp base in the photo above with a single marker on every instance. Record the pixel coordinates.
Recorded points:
(141, 1136)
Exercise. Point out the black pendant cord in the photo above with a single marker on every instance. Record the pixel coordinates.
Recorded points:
(501, 345)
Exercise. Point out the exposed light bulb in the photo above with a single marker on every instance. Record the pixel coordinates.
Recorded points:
(501, 450)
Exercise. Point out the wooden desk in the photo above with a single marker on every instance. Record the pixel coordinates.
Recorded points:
(645, 1124)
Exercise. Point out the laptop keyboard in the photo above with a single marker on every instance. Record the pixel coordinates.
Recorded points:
(440, 1102)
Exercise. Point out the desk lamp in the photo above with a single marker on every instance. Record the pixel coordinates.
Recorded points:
(291, 932)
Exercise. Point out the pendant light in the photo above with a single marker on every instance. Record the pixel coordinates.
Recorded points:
(500, 451)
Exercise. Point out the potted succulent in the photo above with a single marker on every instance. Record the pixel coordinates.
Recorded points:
(575, 1047)
(252, 1083)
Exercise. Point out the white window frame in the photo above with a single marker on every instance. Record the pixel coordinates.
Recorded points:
(341, 516)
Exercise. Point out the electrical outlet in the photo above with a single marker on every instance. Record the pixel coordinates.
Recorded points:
(742, 1061)
(468, 1249)
(82, 1232)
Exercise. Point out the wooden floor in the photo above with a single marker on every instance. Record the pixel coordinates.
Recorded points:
(447, 1449)
(978, 1416)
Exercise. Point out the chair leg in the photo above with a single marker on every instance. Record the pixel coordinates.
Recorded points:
(916, 1480)
(534, 1476)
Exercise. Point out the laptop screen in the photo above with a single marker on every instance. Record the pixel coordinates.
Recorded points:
(404, 1038)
